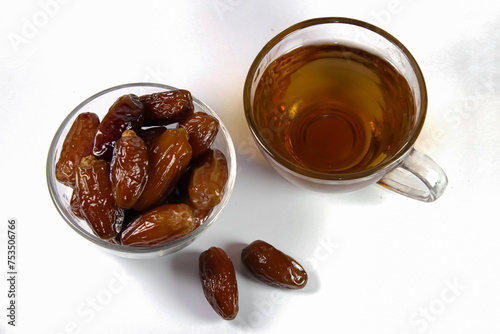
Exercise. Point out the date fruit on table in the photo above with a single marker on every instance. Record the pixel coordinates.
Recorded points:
(272, 266)
(218, 280)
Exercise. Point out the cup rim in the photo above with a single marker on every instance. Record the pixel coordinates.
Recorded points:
(138, 250)
(396, 159)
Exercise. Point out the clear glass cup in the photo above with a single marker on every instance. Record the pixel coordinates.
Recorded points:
(61, 194)
(408, 172)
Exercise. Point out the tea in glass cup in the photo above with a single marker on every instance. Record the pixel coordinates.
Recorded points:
(336, 104)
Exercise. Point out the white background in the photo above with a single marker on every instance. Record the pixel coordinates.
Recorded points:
(379, 263)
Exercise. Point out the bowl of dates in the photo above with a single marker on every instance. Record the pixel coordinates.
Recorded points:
(141, 169)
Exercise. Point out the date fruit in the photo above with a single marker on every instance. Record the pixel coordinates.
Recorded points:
(78, 144)
(272, 266)
(202, 129)
(126, 113)
(129, 169)
(218, 280)
(167, 161)
(97, 205)
(167, 107)
(159, 225)
(208, 179)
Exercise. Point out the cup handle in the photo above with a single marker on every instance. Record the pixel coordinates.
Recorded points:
(417, 177)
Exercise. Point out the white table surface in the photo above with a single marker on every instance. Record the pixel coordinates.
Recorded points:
(378, 262)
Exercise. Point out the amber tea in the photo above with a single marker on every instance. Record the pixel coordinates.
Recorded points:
(333, 108)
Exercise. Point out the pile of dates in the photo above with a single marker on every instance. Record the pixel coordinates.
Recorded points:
(146, 173)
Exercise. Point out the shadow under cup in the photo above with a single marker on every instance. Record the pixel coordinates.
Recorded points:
(274, 102)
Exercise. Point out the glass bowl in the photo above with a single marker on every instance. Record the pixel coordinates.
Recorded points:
(61, 194)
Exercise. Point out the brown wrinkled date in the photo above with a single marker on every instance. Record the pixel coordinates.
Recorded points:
(159, 225)
(126, 113)
(208, 179)
(94, 195)
(218, 280)
(78, 144)
(129, 169)
(124, 168)
(272, 266)
(202, 129)
(167, 107)
(168, 160)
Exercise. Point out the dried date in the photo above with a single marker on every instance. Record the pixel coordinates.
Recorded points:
(77, 144)
(167, 107)
(126, 113)
(159, 225)
(97, 205)
(218, 280)
(167, 162)
(129, 169)
(208, 179)
(272, 266)
(202, 129)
